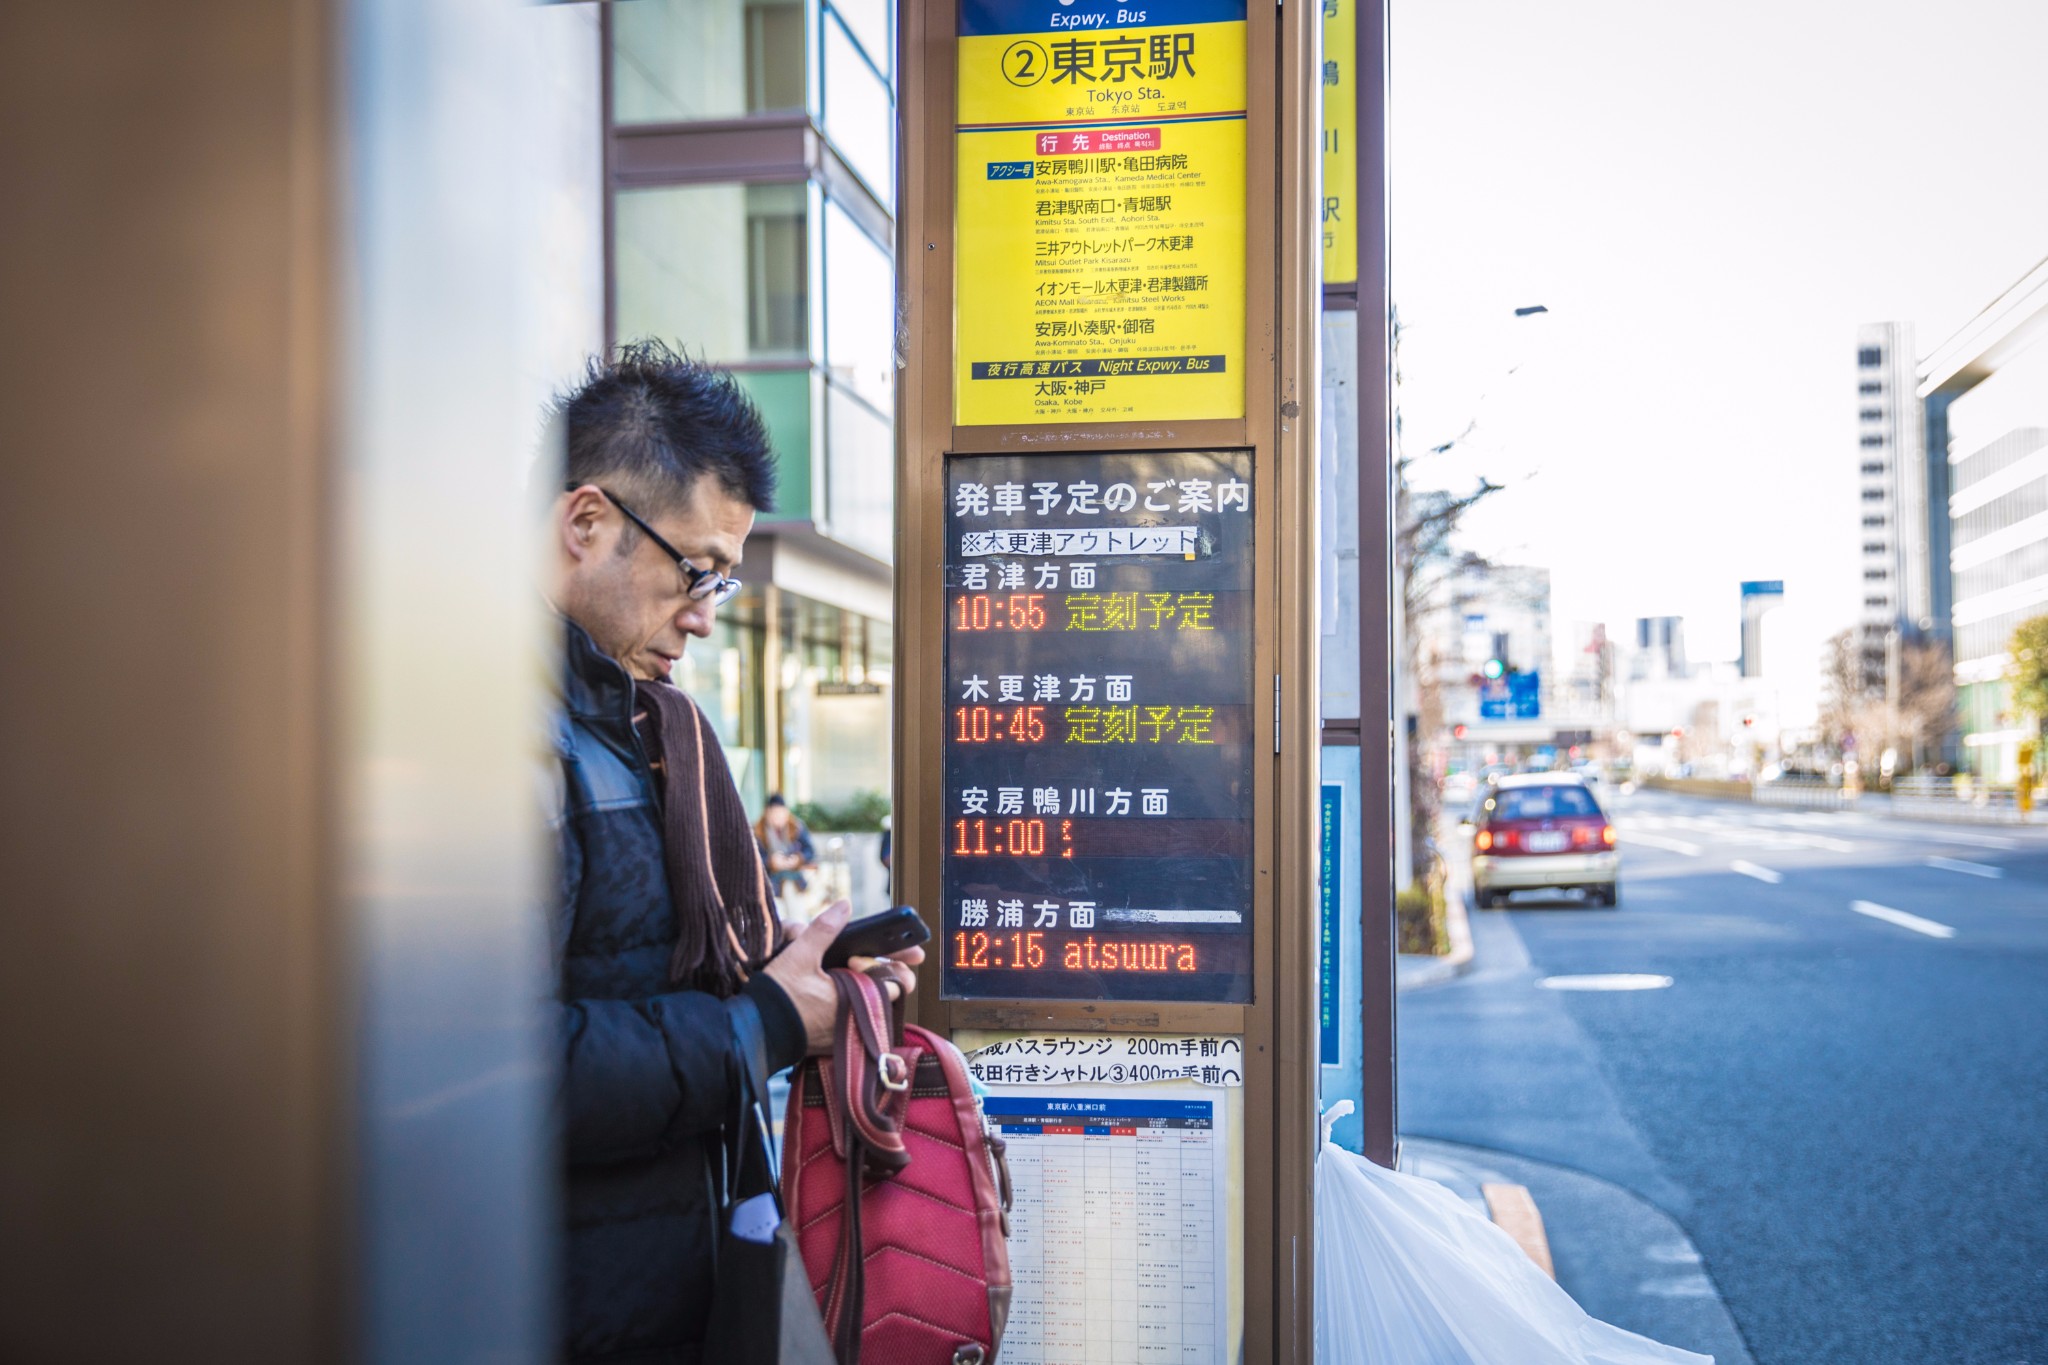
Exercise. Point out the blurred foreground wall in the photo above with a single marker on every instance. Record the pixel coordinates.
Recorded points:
(282, 285)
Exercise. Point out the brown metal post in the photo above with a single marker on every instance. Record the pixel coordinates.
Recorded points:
(1375, 592)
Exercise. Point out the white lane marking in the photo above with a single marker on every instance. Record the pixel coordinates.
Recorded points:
(1762, 874)
(1678, 1287)
(1957, 836)
(1968, 869)
(1822, 841)
(1674, 845)
(1606, 981)
(1902, 919)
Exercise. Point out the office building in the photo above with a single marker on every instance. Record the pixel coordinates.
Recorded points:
(1899, 504)
(1986, 396)
(1660, 649)
(1758, 598)
(751, 162)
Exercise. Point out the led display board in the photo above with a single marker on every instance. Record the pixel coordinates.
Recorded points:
(1098, 727)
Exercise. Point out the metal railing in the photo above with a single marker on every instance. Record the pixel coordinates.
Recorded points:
(1945, 798)
(1812, 795)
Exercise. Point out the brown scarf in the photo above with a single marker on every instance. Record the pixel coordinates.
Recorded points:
(726, 925)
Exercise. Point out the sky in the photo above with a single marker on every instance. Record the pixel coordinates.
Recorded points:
(1709, 200)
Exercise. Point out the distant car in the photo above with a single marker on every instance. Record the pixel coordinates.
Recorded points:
(1543, 831)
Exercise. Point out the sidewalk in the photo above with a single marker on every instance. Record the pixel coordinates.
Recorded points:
(1623, 1259)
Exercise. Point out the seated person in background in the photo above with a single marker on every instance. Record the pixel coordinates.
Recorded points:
(786, 845)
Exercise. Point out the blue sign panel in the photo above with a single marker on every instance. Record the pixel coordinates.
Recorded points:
(1332, 925)
(1518, 696)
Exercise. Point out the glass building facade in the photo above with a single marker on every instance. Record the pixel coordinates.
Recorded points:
(1986, 395)
(751, 165)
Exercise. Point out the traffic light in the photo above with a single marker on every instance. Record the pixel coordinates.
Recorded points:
(1457, 732)
(1495, 668)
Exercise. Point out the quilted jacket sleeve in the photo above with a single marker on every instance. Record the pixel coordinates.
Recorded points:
(639, 1074)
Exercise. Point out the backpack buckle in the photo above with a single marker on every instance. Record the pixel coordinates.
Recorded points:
(892, 1071)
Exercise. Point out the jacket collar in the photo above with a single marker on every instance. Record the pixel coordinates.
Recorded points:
(595, 686)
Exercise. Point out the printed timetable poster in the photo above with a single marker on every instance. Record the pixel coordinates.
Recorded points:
(1099, 220)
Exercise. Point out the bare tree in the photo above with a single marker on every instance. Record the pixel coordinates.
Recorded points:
(1424, 560)
(1910, 714)
(1843, 696)
(1924, 709)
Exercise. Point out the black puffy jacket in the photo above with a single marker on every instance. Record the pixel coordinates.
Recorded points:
(648, 1071)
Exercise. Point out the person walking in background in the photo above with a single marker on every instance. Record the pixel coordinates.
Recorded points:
(787, 845)
(664, 930)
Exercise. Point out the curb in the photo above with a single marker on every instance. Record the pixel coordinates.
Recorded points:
(1513, 1210)
(1623, 1259)
(1412, 970)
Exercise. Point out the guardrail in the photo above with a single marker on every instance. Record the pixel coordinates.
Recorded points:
(1803, 795)
(1699, 786)
(1940, 798)
(1913, 798)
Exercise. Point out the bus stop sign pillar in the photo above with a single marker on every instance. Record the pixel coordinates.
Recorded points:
(1107, 677)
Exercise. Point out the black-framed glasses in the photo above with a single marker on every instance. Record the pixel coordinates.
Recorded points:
(701, 585)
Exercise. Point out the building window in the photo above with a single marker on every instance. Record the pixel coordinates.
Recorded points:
(1870, 357)
(721, 269)
(860, 116)
(1873, 495)
(682, 60)
(1870, 386)
(1874, 547)
(1872, 442)
(1876, 575)
(1874, 602)
(860, 311)
(1877, 468)
(1873, 521)
(1872, 414)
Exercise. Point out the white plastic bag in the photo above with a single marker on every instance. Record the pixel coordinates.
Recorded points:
(1407, 1273)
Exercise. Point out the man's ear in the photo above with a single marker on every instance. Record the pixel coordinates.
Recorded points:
(580, 521)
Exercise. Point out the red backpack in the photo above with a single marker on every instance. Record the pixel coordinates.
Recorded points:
(898, 1191)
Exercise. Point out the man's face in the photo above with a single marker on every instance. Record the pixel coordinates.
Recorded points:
(636, 605)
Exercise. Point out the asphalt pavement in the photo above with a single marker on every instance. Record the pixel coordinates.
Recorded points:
(1837, 1100)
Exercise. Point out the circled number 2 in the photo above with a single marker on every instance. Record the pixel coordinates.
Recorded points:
(1024, 63)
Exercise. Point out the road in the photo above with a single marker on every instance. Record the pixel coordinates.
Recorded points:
(1840, 1096)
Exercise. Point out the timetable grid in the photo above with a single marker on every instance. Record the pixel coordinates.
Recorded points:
(1114, 1232)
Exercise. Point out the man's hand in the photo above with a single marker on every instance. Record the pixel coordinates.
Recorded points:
(796, 969)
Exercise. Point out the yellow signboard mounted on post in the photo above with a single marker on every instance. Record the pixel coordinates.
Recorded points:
(1099, 226)
(1340, 132)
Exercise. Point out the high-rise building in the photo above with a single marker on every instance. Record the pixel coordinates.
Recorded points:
(751, 160)
(1758, 598)
(1986, 396)
(1904, 551)
(1660, 649)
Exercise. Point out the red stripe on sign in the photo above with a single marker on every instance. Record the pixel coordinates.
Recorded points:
(1099, 140)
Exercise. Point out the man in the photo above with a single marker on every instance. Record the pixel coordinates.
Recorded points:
(667, 465)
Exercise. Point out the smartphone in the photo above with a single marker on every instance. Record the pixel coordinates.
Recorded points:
(877, 936)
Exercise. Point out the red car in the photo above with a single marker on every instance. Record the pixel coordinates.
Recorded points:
(1543, 831)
